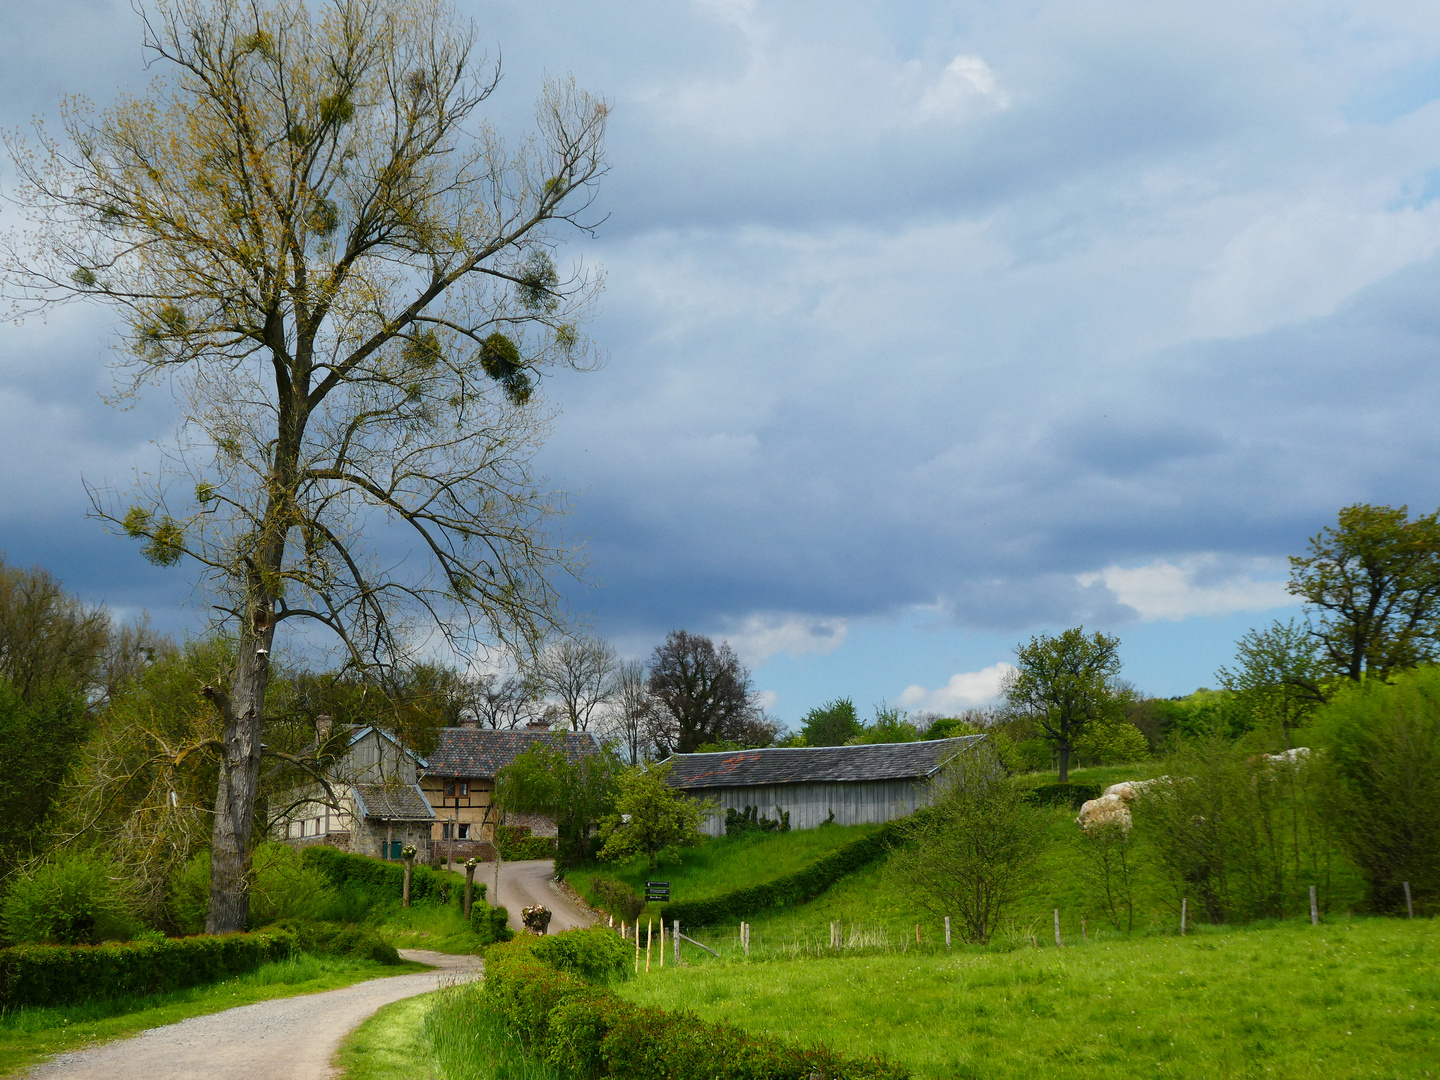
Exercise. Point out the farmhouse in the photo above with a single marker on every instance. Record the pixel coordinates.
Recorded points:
(377, 808)
(857, 784)
(459, 778)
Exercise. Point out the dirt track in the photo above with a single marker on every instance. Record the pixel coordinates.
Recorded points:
(287, 1039)
(525, 883)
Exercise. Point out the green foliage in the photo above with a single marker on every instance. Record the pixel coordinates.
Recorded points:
(1035, 755)
(889, 726)
(1111, 869)
(1240, 837)
(973, 850)
(1382, 755)
(501, 360)
(1112, 743)
(283, 887)
(650, 815)
(69, 899)
(573, 1023)
(751, 820)
(490, 924)
(796, 888)
(1066, 682)
(339, 939)
(1278, 678)
(1070, 794)
(39, 741)
(379, 881)
(1203, 713)
(570, 788)
(615, 897)
(595, 954)
(949, 727)
(47, 975)
(1373, 584)
(833, 724)
(516, 843)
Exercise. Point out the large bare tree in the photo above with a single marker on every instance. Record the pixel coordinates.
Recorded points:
(579, 673)
(308, 230)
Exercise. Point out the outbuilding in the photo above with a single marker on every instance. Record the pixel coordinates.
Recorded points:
(847, 785)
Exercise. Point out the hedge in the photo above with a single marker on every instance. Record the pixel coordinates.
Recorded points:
(590, 1032)
(797, 888)
(379, 877)
(339, 939)
(49, 975)
(1067, 794)
(515, 843)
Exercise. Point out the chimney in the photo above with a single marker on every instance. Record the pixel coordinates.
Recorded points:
(323, 723)
(538, 725)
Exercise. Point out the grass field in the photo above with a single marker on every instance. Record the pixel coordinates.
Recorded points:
(28, 1035)
(428, 926)
(1353, 998)
(724, 863)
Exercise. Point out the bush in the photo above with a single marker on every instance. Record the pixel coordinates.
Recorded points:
(340, 939)
(70, 899)
(1035, 755)
(594, 954)
(1383, 766)
(515, 843)
(378, 881)
(616, 897)
(283, 887)
(490, 924)
(588, 1031)
(1112, 744)
(51, 975)
(1070, 794)
(805, 884)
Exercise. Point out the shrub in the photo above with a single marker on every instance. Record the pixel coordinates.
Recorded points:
(1035, 755)
(588, 1031)
(595, 954)
(616, 897)
(1069, 794)
(70, 899)
(340, 939)
(51, 975)
(1112, 744)
(805, 884)
(379, 881)
(284, 886)
(490, 924)
(1383, 766)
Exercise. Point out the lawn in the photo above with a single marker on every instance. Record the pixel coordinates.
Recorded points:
(441, 927)
(28, 1035)
(1352, 998)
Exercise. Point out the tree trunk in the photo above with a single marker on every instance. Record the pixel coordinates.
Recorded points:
(1064, 749)
(409, 868)
(242, 710)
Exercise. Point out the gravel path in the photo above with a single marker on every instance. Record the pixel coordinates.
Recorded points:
(286, 1039)
(532, 882)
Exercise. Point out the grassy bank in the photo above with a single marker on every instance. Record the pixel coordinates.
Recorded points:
(28, 1035)
(1355, 998)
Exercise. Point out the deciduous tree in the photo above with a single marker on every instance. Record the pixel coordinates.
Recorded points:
(579, 673)
(704, 695)
(650, 816)
(1066, 682)
(1372, 583)
(306, 227)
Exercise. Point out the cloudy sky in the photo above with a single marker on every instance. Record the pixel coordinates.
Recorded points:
(930, 326)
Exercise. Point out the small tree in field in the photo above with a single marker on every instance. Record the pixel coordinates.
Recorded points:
(1108, 849)
(972, 851)
(1067, 683)
(650, 816)
(308, 231)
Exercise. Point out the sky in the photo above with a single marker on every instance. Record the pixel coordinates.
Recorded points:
(928, 326)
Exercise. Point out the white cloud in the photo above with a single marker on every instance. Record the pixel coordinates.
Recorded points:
(762, 636)
(967, 85)
(964, 690)
(1193, 586)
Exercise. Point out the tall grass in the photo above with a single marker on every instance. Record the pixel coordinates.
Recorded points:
(469, 1042)
(1360, 998)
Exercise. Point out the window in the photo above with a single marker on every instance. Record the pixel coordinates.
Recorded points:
(464, 828)
(457, 788)
(455, 830)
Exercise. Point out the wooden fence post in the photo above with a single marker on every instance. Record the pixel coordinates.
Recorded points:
(1057, 927)
(1184, 901)
(745, 936)
(947, 931)
(1314, 908)
(1409, 907)
(675, 937)
(649, 933)
(662, 942)
(637, 946)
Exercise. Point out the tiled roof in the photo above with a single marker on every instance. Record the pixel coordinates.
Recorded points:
(389, 802)
(815, 764)
(482, 752)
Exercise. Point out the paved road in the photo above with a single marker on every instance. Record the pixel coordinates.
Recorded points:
(286, 1039)
(532, 882)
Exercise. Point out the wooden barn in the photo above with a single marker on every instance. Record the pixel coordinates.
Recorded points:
(858, 784)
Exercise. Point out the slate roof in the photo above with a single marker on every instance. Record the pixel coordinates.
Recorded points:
(815, 764)
(388, 802)
(482, 752)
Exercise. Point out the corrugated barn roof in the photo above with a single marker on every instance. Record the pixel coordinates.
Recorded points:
(815, 764)
(482, 752)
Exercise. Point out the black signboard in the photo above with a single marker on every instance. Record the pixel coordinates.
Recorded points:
(657, 890)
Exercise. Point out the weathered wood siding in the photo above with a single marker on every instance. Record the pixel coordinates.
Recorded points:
(855, 803)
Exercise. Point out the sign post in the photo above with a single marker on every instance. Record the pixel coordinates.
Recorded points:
(657, 890)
